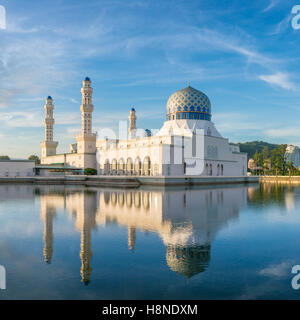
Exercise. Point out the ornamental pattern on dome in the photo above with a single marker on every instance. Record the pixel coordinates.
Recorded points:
(188, 103)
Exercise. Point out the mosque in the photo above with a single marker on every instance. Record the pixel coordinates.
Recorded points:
(188, 143)
(186, 233)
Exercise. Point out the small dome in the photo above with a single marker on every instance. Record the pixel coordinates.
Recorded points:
(49, 98)
(189, 103)
(132, 109)
(189, 260)
(87, 79)
(147, 133)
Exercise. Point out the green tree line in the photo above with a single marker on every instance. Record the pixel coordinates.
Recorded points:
(273, 162)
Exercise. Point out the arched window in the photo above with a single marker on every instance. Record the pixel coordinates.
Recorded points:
(218, 170)
(184, 168)
(128, 199)
(206, 169)
(106, 167)
(129, 166)
(137, 200)
(121, 199)
(138, 166)
(121, 167)
(147, 166)
(114, 166)
(222, 170)
(146, 200)
(106, 197)
(210, 170)
(113, 199)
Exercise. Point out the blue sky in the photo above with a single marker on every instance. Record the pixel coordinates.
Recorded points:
(243, 54)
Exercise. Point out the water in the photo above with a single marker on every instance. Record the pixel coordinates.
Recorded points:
(220, 242)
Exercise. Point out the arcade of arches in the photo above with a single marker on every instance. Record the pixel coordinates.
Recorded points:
(128, 167)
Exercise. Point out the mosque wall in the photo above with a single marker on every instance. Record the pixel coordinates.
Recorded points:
(73, 160)
(130, 157)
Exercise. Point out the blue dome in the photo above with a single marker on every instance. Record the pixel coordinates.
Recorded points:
(132, 109)
(49, 98)
(188, 103)
(87, 79)
(148, 133)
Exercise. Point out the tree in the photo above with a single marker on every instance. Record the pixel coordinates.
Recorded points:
(4, 158)
(35, 158)
(265, 159)
(258, 160)
(90, 171)
(278, 164)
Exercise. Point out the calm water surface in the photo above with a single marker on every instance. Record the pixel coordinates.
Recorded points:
(233, 242)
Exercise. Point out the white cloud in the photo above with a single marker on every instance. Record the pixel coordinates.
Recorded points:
(230, 121)
(279, 79)
(283, 132)
(277, 270)
(271, 5)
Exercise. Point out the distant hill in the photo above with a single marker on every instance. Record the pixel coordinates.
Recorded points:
(253, 146)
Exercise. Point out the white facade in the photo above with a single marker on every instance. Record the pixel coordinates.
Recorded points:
(17, 168)
(187, 144)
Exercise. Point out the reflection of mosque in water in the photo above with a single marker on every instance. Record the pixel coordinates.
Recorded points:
(186, 220)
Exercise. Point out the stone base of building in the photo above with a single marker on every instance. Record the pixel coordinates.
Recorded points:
(129, 182)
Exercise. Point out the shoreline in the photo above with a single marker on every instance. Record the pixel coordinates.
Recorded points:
(280, 179)
(128, 181)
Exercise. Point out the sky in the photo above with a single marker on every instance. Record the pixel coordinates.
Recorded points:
(244, 55)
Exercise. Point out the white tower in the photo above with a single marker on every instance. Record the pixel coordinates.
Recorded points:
(86, 141)
(132, 124)
(48, 145)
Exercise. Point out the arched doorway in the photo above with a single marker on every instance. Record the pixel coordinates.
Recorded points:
(138, 166)
(106, 167)
(121, 167)
(114, 167)
(147, 166)
(129, 167)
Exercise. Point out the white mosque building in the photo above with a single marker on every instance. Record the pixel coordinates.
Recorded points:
(188, 143)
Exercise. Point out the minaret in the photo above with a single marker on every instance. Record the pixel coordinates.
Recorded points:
(86, 107)
(131, 238)
(48, 145)
(132, 124)
(85, 254)
(86, 205)
(86, 140)
(48, 213)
